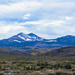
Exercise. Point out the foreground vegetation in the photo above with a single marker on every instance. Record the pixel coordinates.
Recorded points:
(20, 65)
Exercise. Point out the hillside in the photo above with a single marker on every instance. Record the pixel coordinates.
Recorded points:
(61, 52)
(5, 50)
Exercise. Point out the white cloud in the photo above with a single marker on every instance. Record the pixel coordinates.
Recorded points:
(44, 23)
(32, 22)
(7, 29)
(26, 16)
(18, 10)
(57, 23)
(68, 18)
(44, 28)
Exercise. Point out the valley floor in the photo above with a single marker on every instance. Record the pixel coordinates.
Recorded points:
(20, 65)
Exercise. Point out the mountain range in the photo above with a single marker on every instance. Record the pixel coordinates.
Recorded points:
(35, 45)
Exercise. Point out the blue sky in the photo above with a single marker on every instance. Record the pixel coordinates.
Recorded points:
(46, 18)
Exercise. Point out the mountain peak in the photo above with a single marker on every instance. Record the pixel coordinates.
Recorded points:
(21, 33)
(69, 36)
(32, 34)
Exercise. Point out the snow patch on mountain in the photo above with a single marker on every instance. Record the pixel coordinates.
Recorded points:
(28, 39)
(52, 41)
(17, 41)
(21, 37)
(34, 37)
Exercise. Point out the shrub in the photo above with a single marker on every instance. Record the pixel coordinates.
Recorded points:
(74, 73)
(27, 68)
(58, 73)
(68, 66)
(62, 73)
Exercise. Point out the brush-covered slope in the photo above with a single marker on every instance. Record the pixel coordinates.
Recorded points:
(62, 52)
(5, 50)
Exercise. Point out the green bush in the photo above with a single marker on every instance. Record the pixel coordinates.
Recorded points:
(68, 66)
(62, 73)
(74, 73)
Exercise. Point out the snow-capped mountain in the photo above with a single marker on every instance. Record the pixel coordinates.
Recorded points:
(32, 40)
(21, 37)
(32, 43)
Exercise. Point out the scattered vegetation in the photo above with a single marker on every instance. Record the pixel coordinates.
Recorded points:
(16, 65)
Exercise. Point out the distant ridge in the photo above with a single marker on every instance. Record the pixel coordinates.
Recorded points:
(61, 52)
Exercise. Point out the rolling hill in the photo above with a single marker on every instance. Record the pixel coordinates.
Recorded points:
(5, 50)
(61, 52)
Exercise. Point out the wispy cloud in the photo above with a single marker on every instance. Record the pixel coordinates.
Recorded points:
(68, 18)
(18, 10)
(26, 16)
(47, 18)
